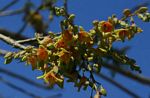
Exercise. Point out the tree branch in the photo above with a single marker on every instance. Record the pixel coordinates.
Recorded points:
(118, 85)
(138, 78)
(22, 28)
(26, 80)
(28, 40)
(11, 12)
(11, 42)
(3, 52)
(55, 96)
(8, 5)
(66, 5)
(12, 34)
(18, 88)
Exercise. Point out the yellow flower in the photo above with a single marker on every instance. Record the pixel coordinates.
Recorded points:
(46, 41)
(65, 56)
(84, 37)
(51, 78)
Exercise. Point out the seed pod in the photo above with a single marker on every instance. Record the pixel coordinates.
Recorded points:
(103, 91)
(127, 12)
(71, 17)
(142, 10)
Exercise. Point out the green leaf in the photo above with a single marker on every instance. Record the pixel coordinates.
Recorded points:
(16, 55)
(89, 67)
(135, 67)
(8, 60)
(55, 69)
(9, 54)
(40, 64)
(85, 87)
(24, 58)
(60, 84)
(51, 46)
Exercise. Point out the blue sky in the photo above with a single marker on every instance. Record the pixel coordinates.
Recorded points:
(86, 11)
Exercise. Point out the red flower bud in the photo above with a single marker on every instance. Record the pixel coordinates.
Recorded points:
(107, 27)
(123, 33)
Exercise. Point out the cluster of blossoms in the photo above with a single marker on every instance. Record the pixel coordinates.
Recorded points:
(72, 55)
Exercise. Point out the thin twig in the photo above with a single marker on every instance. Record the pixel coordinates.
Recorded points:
(28, 40)
(3, 52)
(118, 85)
(55, 96)
(31, 40)
(146, 3)
(8, 5)
(11, 41)
(138, 78)
(12, 12)
(133, 9)
(18, 88)
(22, 28)
(24, 79)
(12, 35)
(66, 5)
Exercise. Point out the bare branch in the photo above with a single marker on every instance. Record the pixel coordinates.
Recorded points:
(138, 78)
(66, 5)
(12, 34)
(26, 80)
(3, 52)
(28, 40)
(22, 28)
(118, 85)
(55, 96)
(18, 88)
(11, 42)
(146, 3)
(12, 12)
(9, 5)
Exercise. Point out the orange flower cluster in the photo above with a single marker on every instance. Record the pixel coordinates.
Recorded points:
(40, 56)
(69, 48)
(66, 39)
